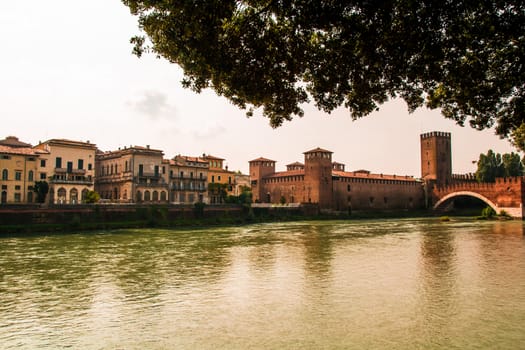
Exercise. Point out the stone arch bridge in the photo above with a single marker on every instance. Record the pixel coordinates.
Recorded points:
(506, 194)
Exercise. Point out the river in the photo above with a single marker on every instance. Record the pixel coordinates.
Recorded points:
(382, 284)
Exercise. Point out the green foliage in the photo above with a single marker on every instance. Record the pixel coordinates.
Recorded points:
(463, 57)
(41, 188)
(488, 213)
(492, 165)
(218, 189)
(92, 197)
(198, 207)
(245, 198)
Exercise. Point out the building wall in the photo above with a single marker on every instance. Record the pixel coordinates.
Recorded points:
(318, 177)
(18, 173)
(188, 178)
(377, 194)
(70, 169)
(259, 169)
(291, 188)
(436, 157)
(135, 174)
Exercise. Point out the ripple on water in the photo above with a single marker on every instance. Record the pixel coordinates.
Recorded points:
(393, 284)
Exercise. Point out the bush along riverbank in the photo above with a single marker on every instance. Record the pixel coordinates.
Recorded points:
(34, 220)
(25, 220)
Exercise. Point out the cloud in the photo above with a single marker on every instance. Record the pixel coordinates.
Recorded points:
(154, 105)
(208, 133)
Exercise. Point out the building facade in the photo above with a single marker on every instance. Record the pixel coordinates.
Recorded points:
(68, 167)
(219, 179)
(132, 175)
(18, 166)
(324, 182)
(188, 180)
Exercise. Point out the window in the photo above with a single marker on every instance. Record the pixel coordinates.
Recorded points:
(141, 169)
(348, 188)
(43, 176)
(17, 197)
(191, 175)
(30, 175)
(229, 180)
(181, 174)
(126, 166)
(69, 167)
(6, 157)
(156, 169)
(90, 166)
(58, 162)
(213, 178)
(5, 174)
(17, 188)
(200, 176)
(163, 170)
(18, 175)
(218, 178)
(81, 164)
(42, 163)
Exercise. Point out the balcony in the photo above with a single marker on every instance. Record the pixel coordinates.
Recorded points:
(71, 179)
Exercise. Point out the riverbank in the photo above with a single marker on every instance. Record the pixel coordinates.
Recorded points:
(28, 220)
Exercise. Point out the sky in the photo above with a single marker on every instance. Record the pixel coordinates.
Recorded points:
(67, 72)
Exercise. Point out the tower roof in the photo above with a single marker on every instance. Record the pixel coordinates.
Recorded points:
(318, 149)
(261, 159)
(13, 141)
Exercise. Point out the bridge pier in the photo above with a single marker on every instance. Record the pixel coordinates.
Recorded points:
(514, 212)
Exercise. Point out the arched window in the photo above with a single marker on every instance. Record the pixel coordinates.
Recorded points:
(5, 174)
(147, 196)
(139, 197)
(61, 195)
(125, 194)
(73, 196)
(155, 196)
(163, 196)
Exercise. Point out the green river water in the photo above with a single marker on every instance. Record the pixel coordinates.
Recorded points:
(382, 284)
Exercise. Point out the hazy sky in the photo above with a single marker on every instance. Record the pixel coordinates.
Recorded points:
(67, 72)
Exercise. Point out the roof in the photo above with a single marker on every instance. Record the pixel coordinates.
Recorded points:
(318, 150)
(12, 141)
(295, 163)
(26, 151)
(66, 142)
(347, 174)
(285, 173)
(190, 159)
(368, 175)
(261, 159)
(209, 156)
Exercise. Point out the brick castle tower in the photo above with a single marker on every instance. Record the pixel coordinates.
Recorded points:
(318, 177)
(260, 168)
(436, 157)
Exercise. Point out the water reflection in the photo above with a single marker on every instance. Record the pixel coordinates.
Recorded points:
(364, 285)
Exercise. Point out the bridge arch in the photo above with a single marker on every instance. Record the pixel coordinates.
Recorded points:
(449, 196)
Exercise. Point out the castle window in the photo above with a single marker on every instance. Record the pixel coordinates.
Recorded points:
(5, 174)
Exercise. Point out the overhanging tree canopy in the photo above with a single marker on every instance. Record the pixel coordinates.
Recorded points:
(464, 57)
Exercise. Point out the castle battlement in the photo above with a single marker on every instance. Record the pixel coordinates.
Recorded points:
(435, 134)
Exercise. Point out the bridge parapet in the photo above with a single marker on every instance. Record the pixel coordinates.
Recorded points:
(503, 194)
